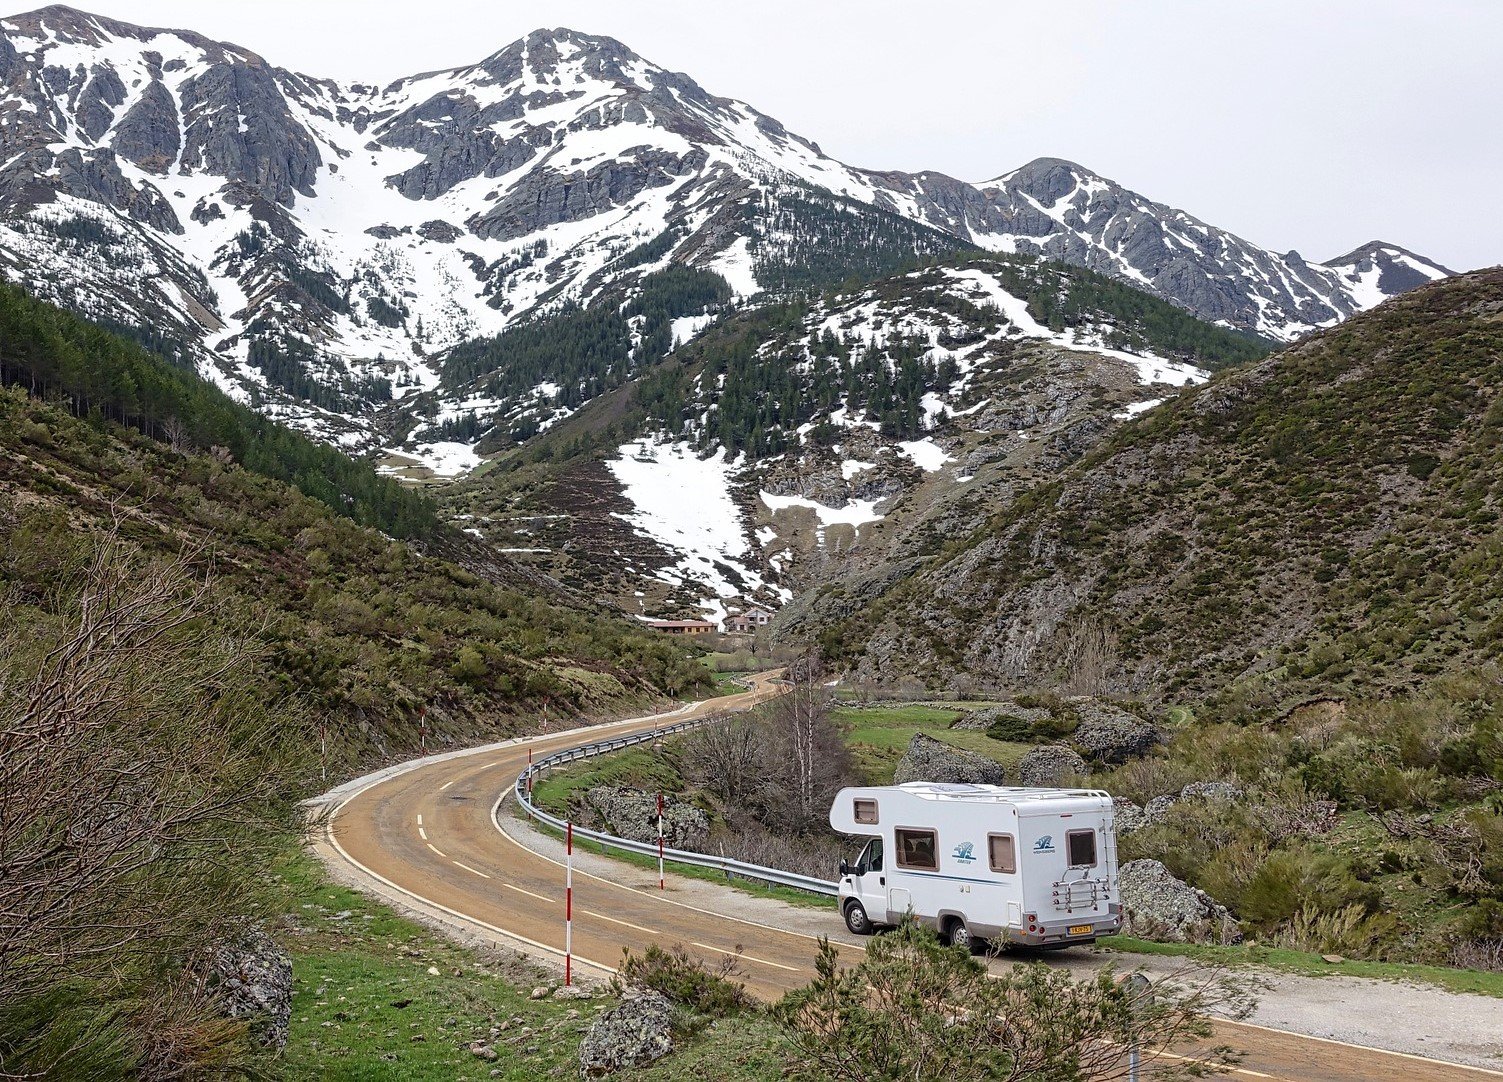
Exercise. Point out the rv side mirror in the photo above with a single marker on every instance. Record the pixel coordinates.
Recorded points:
(845, 867)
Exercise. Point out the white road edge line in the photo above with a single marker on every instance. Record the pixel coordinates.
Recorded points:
(1362, 1047)
(539, 897)
(462, 918)
(748, 957)
(618, 920)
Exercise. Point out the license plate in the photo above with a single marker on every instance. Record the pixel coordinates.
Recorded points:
(1082, 929)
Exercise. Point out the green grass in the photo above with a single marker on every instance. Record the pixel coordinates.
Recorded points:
(638, 768)
(727, 683)
(1292, 961)
(354, 961)
(694, 871)
(878, 735)
(367, 1007)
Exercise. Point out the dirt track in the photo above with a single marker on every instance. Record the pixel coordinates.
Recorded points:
(423, 836)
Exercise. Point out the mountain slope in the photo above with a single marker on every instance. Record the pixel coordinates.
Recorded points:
(316, 247)
(801, 443)
(1321, 520)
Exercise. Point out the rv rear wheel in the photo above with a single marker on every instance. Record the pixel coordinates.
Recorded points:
(856, 919)
(958, 935)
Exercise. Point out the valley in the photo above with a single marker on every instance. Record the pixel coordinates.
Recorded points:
(364, 437)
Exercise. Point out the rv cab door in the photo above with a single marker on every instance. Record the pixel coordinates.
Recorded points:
(870, 875)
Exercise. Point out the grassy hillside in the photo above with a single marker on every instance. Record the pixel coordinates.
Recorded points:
(95, 373)
(361, 630)
(1321, 522)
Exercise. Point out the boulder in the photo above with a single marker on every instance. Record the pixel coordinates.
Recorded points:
(1155, 809)
(928, 759)
(1130, 816)
(1221, 791)
(1050, 765)
(1109, 734)
(1156, 905)
(989, 716)
(253, 980)
(634, 1034)
(633, 813)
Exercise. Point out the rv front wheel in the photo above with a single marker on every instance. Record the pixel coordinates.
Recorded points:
(856, 919)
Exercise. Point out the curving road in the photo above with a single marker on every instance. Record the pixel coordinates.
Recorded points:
(423, 835)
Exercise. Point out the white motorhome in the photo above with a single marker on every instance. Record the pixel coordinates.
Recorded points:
(1034, 867)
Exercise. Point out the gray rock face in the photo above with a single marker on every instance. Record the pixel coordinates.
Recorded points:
(632, 813)
(928, 759)
(253, 979)
(1158, 906)
(1049, 765)
(1109, 734)
(634, 1034)
(148, 134)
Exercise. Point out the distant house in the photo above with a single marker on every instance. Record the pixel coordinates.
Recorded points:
(682, 627)
(744, 623)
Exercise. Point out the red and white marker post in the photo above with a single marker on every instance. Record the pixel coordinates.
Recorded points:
(660, 843)
(529, 771)
(422, 730)
(569, 906)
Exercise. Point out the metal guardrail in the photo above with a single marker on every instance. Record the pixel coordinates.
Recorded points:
(680, 856)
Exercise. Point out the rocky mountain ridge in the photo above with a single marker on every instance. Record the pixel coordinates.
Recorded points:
(1318, 522)
(317, 247)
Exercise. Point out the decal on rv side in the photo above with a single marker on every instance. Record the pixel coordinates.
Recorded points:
(1044, 844)
(965, 852)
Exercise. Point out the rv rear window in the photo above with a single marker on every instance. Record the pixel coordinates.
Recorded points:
(866, 811)
(1004, 853)
(1082, 848)
(917, 849)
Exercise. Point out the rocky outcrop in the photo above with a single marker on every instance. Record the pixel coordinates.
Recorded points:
(1158, 906)
(1050, 765)
(1002, 712)
(253, 979)
(633, 813)
(1129, 816)
(1218, 791)
(928, 759)
(634, 1034)
(1109, 734)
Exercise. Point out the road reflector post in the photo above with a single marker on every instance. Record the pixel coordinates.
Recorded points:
(529, 772)
(660, 843)
(569, 906)
(1140, 999)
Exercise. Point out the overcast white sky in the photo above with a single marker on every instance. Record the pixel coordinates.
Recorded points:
(1307, 124)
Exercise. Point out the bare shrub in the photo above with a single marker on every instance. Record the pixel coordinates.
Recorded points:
(138, 774)
(1485, 954)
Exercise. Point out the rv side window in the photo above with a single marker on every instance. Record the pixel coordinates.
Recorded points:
(866, 812)
(1004, 853)
(1082, 848)
(917, 849)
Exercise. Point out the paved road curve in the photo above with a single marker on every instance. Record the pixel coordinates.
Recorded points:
(425, 837)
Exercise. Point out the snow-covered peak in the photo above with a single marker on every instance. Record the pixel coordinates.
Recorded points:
(1378, 270)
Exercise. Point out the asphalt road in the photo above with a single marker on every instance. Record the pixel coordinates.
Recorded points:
(424, 836)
